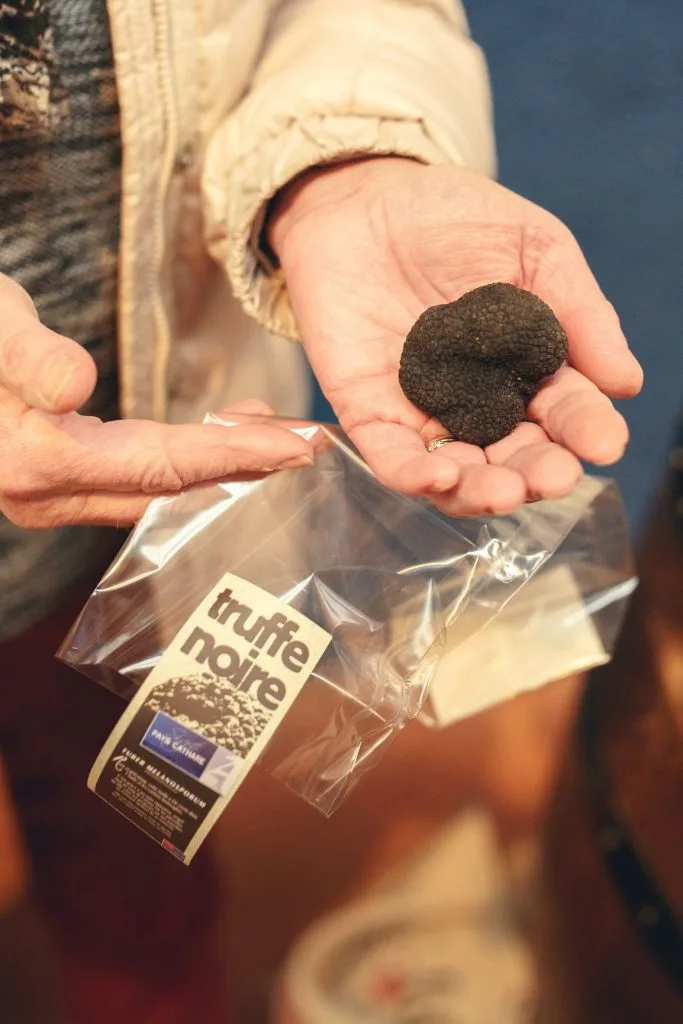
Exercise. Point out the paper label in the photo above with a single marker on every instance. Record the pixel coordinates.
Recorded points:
(545, 633)
(202, 717)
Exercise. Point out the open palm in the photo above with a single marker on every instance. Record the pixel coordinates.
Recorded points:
(366, 248)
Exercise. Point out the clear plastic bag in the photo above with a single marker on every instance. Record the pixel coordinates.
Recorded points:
(388, 577)
(565, 620)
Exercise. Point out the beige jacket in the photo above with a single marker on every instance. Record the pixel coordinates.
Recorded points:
(223, 102)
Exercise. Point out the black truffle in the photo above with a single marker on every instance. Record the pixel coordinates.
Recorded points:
(475, 364)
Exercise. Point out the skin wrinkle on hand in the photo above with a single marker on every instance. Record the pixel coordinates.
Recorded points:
(475, 364)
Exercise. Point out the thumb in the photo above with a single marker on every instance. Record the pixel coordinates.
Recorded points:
(44, 369)
(597, 346)
(598, 350)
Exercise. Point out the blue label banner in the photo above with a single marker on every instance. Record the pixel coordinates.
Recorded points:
(178, 744)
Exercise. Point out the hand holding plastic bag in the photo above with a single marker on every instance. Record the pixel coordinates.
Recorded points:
(389, 578)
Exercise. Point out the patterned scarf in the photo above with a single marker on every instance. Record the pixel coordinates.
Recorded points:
(32, 96)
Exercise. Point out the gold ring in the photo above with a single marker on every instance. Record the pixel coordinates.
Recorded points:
(438, 442)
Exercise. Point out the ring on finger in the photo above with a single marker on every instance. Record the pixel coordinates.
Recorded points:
(439, 442)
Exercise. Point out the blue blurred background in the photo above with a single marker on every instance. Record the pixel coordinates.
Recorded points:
(589, 113)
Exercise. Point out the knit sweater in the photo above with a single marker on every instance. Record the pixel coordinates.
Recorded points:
(60, 158)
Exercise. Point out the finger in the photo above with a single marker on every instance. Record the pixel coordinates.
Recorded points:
(524, 434)
(397, 455)
(41, 368)
(457, 451)
(248, 407)
(597, 345)
(254, 407)
(576, 415)
(385, 427)
(548, 469)
(596, 350)
(156, 458)
(484, 490)
(96, 509)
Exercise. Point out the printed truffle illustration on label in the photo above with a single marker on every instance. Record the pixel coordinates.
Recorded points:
(204, 714)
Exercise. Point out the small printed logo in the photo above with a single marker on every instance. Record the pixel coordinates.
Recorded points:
(178, 854)
(119, 762)
(178, 745)
(221, 771)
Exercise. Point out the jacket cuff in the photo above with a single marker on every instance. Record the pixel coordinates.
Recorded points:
(258, 177)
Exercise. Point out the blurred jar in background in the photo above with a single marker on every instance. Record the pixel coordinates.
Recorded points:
(503, 760)
(436, 939)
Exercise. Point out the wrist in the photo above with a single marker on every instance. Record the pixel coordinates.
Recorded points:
(311, 190)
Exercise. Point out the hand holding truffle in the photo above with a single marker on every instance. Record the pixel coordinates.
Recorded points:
(432, 301)
(475, 364)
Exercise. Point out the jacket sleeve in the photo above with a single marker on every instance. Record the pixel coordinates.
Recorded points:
(340, 78)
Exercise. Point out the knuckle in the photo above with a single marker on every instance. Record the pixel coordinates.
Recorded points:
(162, 477)
(612, 313)
(560, 231)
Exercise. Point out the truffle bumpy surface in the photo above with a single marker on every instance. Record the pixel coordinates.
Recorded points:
(475, 364)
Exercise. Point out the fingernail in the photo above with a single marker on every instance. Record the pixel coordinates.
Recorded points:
(300, 462)
(57, 375)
